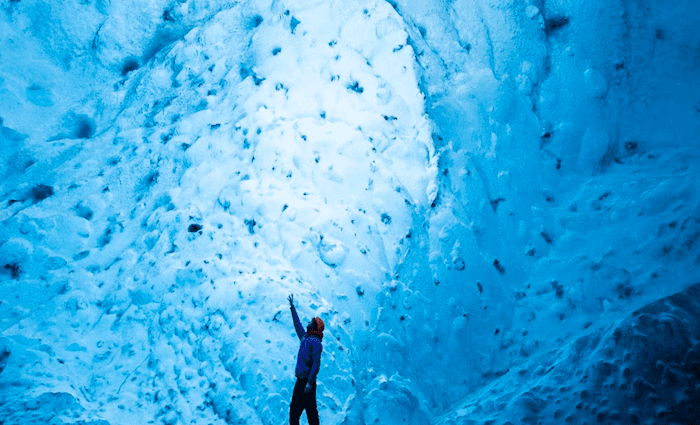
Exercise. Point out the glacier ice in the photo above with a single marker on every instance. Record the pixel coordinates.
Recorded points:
(491, 204)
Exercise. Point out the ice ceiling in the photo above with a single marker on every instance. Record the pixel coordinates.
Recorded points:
(490, 203)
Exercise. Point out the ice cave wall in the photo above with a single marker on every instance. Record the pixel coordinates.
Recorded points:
(555, 147)
(556, 137)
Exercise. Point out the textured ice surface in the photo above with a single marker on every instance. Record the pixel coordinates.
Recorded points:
(474, 196)
(644, 368)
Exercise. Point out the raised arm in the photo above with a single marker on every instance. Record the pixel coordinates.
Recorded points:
(295, 317)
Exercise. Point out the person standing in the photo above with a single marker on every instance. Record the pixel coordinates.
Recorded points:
(308, 365)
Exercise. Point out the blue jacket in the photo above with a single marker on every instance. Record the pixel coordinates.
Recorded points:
(309, 357)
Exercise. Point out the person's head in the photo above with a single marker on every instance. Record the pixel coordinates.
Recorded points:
(315, 324)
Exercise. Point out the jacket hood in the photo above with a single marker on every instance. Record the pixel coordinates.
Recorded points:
(320, 326)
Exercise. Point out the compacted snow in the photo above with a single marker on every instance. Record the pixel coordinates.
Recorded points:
(493, 205)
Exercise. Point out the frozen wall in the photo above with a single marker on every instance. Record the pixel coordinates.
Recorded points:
(563, 204)
(471, 194)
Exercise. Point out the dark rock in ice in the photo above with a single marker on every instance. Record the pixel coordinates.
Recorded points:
(293, 24)
(129, 64)
(555, 23)
(202, 105)
(558, 289)
(494, 203)
(355, 87)
(149, 180)
(4, 354)
(79, 256)
(546, 237)
(41, 192)
(168, 15)
(83, 211)
(255, 22)
(251, 225)
(194, 228)
(436, 201)
(497, 264)
(106, 238)
(13, 270)
(83, 127)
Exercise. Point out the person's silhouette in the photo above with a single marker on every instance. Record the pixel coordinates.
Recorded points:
(308, 365)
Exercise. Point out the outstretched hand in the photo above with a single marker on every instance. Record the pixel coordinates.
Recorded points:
(291, 300)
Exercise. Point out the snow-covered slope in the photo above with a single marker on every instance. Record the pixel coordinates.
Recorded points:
(471, 194)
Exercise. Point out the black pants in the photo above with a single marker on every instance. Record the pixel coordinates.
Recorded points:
(303, 401)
